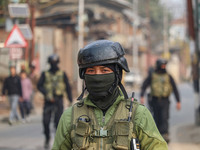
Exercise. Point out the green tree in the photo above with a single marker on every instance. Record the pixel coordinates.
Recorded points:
(3, 11)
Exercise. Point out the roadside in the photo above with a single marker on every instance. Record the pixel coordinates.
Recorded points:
(185, 137)
(17, 133)
(5, 107)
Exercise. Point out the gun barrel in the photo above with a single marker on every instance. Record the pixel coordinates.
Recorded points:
(131, 107)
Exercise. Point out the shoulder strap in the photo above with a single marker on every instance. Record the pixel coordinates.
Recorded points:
(80, 110)
(136, 104)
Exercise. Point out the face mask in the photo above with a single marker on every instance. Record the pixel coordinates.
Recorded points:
(54, 66)
(99, 88)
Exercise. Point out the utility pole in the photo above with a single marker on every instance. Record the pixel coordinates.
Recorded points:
(27, 48)
(197, 3)
(29, 55)
(197, 95)
(80, 36)
(148, 35)
(32, 10)
(135, 45)
(165, 34)
(81, 24)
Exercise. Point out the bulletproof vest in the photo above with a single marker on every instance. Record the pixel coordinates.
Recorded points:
(160, 85)
(87, 134)
(54, 84)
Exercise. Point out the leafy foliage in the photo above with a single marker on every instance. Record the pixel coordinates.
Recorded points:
(3, 10)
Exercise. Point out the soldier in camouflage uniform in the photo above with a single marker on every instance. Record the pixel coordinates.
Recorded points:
(53, 84)
(101, 120)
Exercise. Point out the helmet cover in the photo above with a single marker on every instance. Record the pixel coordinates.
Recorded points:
(101, 52)
(54, 58)
(161, 63)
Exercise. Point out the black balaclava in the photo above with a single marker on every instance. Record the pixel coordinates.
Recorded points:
(102, 88)
(161, 69)
(54, 66)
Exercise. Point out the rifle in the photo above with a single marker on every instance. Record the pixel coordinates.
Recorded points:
(134, 144)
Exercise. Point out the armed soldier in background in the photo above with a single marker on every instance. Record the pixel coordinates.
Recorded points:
(53, 84)
(161, 85)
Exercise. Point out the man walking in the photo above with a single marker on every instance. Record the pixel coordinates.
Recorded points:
(12, 86)
(53, 84)
(161, 84)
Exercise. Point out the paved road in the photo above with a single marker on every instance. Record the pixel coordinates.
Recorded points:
(184, 135)
(186, 114)
(22, 136)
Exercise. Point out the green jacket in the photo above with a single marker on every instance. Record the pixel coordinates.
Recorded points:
(146, 130)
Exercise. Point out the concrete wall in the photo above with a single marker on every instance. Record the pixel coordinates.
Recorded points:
(173, 67)
(44, 40)
(4, 61)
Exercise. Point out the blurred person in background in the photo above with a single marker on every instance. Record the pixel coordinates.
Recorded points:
(149, 99)
(22, 67)
(161, 85)
(24, 103)
(53, 84)
(12, 87)
(34, 79)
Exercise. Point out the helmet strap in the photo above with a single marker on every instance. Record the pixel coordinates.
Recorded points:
(123, 90)
(82, 94)
(83, 91)
(118, 77)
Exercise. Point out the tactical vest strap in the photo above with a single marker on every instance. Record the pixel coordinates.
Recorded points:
(54, 84)
(102, 133)
(133, 119)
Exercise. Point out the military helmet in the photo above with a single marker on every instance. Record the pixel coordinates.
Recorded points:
(53, 58)
(161, 63)
(101, 52)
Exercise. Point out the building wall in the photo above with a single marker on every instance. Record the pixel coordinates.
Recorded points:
(4, 35)
(44, 40)
(4, 62)
(4, 54)
(64, 41)
(173, 67)
(67, 56)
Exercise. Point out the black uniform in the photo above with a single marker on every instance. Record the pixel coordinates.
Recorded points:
(55, 107)
(160, 105)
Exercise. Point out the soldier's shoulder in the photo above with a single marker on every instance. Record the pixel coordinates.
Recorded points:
(68, 111)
